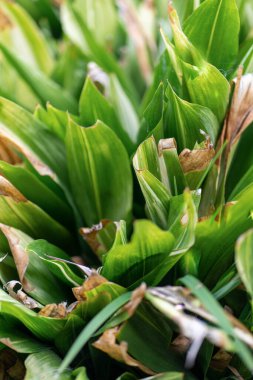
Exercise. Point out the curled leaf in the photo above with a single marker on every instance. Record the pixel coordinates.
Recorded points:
(21, 296)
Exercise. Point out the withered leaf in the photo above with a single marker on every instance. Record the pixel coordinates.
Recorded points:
(240, 115)
(108, 344)
(8, 190)
(21, 296)
(137, 297)
(197, 159)
(55, 311)
(18, 251)
(93, 281)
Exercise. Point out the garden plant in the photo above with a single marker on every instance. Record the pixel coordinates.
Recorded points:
(126, 189)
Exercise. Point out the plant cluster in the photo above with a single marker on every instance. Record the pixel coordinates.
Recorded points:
(126, 189)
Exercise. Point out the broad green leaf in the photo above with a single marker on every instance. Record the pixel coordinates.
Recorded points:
(60, 270)
(208, 87)
(156, 195)
(182, 220)
(92, 327)
(46, 289)
(25, 39)
(189, 123)
(101, 184)
(130, 263)
(44, 150)
(243, 259)
(45, 364)
(43, 87)
(215, 241)
(43, 328)
(214, 29)
(24, 215)
(148, 335)
(213, 307)
(202, 79)
(55, 119)
(93, 106)
(149, 174)
(36, 190)
(17, 340)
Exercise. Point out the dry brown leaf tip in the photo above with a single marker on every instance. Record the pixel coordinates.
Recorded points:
(54, 311)
(137, 297)
(93, 281)
(196, 159)
(118, 351)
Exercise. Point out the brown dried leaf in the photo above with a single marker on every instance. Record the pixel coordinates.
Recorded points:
(54, 311)
(5, 22)
(93, 281)
(137, 297)
(18, 146)
(240, 115)
(221, 360)
(90, 235)
(19, 254)
(8, 190)
(8, 154)
(21, 296)
(197, 159)
(108, 344)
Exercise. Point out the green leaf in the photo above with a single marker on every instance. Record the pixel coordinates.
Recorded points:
(93, 106)
(131, 263)
(213, 307)
(43, 87)
(101, 184)
(124, 109)
(60, 270)
(203, 84)
(79, 33)
(152, 123)
(213, 28)
(189, 123)
(148, 335)
(24, 36)
(46, 290)
(174, 172)
(35, 189)
(215, 241)
(92, 327)
(29, 218)
(45, 151)
(43, 328)
(43, 365)
(243, 260)
(55, 119)
(200, 78)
